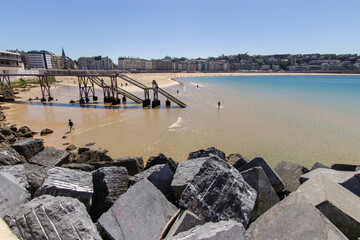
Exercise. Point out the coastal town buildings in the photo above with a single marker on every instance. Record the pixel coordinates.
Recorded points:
(95, 63)
(10, 60)
(40, 59)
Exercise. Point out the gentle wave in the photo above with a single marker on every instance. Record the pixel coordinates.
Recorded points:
(177, 124)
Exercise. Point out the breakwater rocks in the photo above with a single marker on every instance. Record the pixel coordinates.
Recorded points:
(48, 193)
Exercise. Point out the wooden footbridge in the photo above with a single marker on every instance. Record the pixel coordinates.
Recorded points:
(87, 81)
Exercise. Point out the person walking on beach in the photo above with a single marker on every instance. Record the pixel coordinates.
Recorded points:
(71, 125)
(219, 104)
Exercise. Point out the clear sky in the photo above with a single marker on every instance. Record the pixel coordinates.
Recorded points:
(183, 28)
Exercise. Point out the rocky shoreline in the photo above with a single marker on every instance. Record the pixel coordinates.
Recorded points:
(79, 193)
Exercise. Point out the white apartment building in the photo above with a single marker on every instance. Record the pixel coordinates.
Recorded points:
(40, 60)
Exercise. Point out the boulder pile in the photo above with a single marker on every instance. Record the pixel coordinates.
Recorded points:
(48, 193)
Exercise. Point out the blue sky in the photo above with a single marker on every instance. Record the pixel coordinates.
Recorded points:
(184, 28)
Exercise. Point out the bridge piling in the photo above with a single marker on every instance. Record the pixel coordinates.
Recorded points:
(45, 88)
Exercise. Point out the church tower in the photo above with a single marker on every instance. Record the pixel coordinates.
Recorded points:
(63, 53)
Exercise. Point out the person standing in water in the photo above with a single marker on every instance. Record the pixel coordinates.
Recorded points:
(71, 125)
(219, 104)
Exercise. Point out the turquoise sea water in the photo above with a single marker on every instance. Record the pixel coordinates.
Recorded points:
(301, 119)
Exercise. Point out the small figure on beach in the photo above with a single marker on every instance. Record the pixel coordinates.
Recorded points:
(177, 92)
(71, 125)
(219, 104)
(197, 86)
(3, 117)
(125, 84)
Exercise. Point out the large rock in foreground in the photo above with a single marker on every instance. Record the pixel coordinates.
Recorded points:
(51, 157)
(48, 217)
(293, 218)
(68, 182)
(161, 176)
(218, 192)
(275, 180)
(35, 175)
(10, 157)
(206, 152)
(28, 147)
(18, 171)
(185, 221)
(266, 195)
(140, 213)
(338, 204)
(214, 231)
(109, 184)
(290, 174)
(185, 172)
(12, 194)
(349, 180)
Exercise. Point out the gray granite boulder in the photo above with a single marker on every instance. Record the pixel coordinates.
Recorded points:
(293, 218)
(12, 194)
(96, 158)
(50, 157)
(236, 160)
(219, 192)
(266, 195)
(109, 184)
(67, 182)
(45, 132)
(161, 176)
(318, 165)
(48, 217)
(290, 174)
(25, 132)
(214, 231)
(185, 172)
(275, 180)
(35, 175)
(338, 204)
(28, 147)
(205, 153)
(10, 157)
(349, 180)
(134, 165)
(161, 159)
(140, 213)
(18, 171)
(185, 221)
(344, 167)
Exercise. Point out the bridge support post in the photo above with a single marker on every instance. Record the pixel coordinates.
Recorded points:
(86, 87)
(45, 88)
(146, 101)
(114, 87)
(6, 88)
(168, 103)
(156, 101)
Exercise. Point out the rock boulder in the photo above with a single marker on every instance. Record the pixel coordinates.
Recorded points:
(290, 174)
(218, 192)
(12, 194)
(17, 171)
(50, 157)
(206, 152)
(349, 180)
(266, 195)
(236, 160)
(125, 219)
(28, 147)
(293, 218)
(185, 221)
(48, 217)
(109, 184)
(10, 157)
(214, 231)
(275, 180)
(161, 159)
(134, 165)
(68, 182)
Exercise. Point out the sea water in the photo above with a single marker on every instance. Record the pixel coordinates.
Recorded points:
(301, 119)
